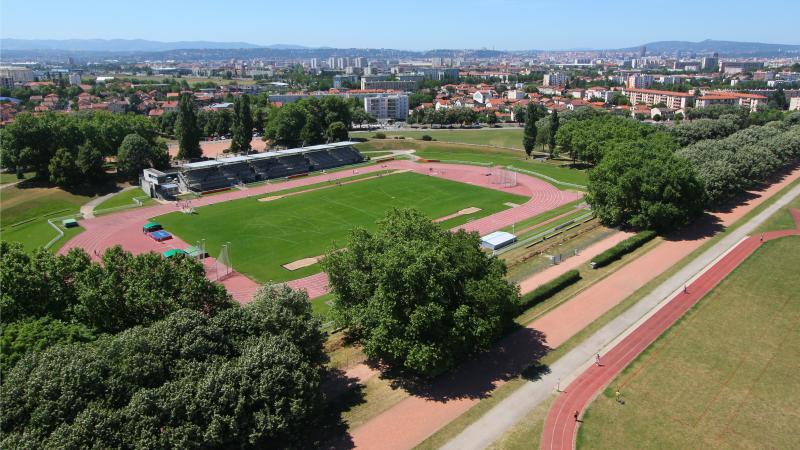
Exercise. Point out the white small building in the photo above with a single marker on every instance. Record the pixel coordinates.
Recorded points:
(497, 240)
(516, 95)
(386, 107)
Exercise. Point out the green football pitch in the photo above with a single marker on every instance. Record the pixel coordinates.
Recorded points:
(264, 236)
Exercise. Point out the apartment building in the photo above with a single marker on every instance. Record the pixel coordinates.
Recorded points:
(555, 79)
(650, 97)
(397, 85)
(639, 81)
(749, 101)
(386, 107)
(733, 67)
(794, 104)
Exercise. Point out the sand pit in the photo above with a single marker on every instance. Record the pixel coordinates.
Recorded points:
(463, 212)
(271, 198)
(300, 263)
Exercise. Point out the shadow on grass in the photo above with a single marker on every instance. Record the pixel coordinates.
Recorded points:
(477, 377)
(108, 186)
(342, 393)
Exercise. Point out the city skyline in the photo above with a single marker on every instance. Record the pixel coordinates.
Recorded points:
(456, 25)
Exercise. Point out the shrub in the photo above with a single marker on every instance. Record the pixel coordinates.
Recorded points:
(549, 289)
(426, 137)
(618, 251)
(379, 136)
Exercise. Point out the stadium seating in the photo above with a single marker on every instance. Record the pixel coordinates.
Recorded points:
(264, 167)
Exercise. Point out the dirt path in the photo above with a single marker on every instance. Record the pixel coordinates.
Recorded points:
(561, 425)
(87, 209)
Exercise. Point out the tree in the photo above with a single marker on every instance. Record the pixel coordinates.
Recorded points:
(124, 291)
(186, 129)
(242, 127)
(529, 135)
(134, 156)
(778, 100)
(551, 143)
(419, 297)
(249, 377)
(35, 335)
(62, 168)
(90, 163)
(337, 132)
(645, 186)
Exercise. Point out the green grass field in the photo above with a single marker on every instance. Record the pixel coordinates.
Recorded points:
(495, 137)
(124, 199)
(266, 235)
(34, 205)
(557, 170)
(724, 377)
(11, 177)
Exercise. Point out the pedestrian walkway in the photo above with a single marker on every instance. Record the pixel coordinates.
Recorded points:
(561, 425)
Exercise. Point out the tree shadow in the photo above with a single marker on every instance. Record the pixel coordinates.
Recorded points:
(342, 394)
(707, 225)
(108, 186)
(517, 353)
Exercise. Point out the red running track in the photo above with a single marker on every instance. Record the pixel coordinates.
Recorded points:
(125, 228)
(560, 426)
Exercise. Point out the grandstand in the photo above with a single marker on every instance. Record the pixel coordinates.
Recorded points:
(225, 172)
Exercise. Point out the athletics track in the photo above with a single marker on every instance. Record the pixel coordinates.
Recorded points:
(560, 426)
(125, 228)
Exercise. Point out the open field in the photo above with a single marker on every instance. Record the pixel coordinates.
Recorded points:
(723, 376)
(34, 205)
(266, 235)
(11, 177)
(125, 199)
(557, 170)
(495, 137)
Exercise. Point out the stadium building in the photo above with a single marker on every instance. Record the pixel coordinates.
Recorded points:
(230, 171)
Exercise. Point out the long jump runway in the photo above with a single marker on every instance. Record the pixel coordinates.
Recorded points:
(125, 228)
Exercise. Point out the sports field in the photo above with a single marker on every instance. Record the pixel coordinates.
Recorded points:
(495, 137)
(724, 377)
(444, 151)
(266, 235)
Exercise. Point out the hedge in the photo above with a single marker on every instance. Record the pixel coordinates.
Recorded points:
(618, 251)
(549, 289)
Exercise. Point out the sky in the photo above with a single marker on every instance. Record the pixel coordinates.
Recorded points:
(406, 24)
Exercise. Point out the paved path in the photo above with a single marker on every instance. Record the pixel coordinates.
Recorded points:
(561, 426)
(585, 307)
(124, 228)
(87, 209)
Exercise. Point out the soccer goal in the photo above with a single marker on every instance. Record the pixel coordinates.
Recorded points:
(502, 177)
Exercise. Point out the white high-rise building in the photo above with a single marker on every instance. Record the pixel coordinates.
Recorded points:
(74, 78)
(360, 62)
(386, 107)
(314, 63)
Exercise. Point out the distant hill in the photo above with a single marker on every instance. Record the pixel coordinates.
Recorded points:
(726, 48)
(122, 45)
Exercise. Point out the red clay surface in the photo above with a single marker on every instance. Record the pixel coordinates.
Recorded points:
(125, 228)
(217, 148)
(415, 418)
(561, 426)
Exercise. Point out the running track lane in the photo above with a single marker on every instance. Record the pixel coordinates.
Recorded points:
(560, 426)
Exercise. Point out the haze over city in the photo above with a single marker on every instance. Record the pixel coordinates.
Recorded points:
(413, 24)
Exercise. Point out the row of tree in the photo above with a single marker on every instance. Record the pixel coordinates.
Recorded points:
(729, 166)
(72, 146)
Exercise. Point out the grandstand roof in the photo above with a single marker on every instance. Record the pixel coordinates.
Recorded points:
(264, 155)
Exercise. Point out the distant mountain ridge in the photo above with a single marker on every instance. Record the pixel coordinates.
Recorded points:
(125, 45)
(721, 47)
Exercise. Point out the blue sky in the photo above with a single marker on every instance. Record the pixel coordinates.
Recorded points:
(408, 24)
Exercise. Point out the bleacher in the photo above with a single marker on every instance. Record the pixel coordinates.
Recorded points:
(229, 171)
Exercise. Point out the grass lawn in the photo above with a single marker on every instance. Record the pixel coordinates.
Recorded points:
(495, 137)
(11, 177)
(34, 205)
(266, 235)
(781, 220)
(124, 199)
(720, 378)
(483, 155)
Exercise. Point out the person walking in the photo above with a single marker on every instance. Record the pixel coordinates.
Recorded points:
(576, 416)
(597, 359)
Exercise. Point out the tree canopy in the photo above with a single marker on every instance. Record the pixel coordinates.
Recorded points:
(306, 121)
(245, 378)
(645, 186)
(242, 127)
(136, 154)
(419, 297)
